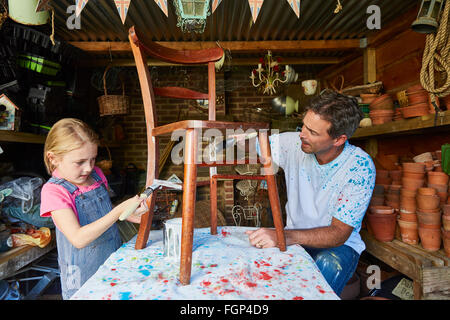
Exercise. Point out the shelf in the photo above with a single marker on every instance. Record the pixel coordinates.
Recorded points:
(24, 137)
(404, 126)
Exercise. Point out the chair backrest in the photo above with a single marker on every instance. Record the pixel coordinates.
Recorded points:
(144, 47)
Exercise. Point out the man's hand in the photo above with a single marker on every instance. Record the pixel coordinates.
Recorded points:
(262, 238)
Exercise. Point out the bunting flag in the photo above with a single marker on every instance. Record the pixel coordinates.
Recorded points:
(42, 5)
(215, 4)
(122, 7)
(162, 5)
(295, 5)
(79, 6)
(255, 7)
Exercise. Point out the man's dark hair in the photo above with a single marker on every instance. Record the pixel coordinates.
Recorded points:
(340, 110)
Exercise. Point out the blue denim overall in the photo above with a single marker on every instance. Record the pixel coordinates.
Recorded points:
(78, 265)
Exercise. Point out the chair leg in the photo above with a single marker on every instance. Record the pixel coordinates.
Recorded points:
(188, 208)
(213, 201)
(272, 189)
(146, 224)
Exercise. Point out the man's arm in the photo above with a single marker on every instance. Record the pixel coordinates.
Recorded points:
(333, 235)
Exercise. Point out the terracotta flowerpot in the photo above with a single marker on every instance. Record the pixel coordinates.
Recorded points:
(417, 97)
(413, 175)
(412, 184)
(427, 202)
(415, 110)
(446, 209)
(383, 226)
(426, 191)
(446, 222)
(437, 210)
(413, 167)
(429, 165)
(430, 238)
(437, 177)
(442, 196)
(438, 187)
(392, 197)
(381, 210)
(429, 218)
(393, 204)
(408, 193)
(408, 231)
(446, 241)
(395, 188)
(408, 216)
(383, 102)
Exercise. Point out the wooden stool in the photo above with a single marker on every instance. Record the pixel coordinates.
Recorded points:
(143, 47)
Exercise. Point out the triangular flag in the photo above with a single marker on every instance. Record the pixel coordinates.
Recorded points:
(42, 5)
(162, 5)
(255, 7)
(215, 4)
(295, 5)
(79, 6)
(122, 7)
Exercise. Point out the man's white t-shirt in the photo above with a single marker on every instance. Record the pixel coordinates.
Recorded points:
(341, 188)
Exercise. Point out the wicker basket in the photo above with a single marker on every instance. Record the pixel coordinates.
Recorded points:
(113, 104)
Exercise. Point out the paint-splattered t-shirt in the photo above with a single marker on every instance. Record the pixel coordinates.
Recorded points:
(341, 188)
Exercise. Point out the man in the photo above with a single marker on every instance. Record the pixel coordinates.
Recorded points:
(329, 186)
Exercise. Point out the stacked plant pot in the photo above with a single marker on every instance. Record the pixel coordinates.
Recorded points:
(381, 109)
(382, 222)
(413, 178)
(429, 218)
(377, 196)
(418, 102)
(438, 180)
(446, 228)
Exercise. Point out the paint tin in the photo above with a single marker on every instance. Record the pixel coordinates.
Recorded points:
(172, 238)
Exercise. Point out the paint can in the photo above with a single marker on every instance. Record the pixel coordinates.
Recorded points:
(172, 238)
(173, 207)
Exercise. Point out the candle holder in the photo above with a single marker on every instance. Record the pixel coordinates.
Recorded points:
(268, 74)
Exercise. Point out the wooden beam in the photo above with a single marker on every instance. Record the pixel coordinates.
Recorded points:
(92, 63)
(105, 47)
(370, 65)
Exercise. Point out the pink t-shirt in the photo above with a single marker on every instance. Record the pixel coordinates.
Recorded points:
(56, 197)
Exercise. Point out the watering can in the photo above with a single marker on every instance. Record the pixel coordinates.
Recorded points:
(24, 12)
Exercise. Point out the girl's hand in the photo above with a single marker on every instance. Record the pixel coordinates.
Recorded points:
(135, 217)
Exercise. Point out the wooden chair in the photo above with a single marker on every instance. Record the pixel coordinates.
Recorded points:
(143, 47)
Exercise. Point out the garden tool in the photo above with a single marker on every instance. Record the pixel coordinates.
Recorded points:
(147, 192)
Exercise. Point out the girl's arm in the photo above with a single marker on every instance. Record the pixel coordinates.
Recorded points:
(80, 236)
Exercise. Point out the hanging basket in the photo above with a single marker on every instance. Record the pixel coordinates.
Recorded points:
(113, 104)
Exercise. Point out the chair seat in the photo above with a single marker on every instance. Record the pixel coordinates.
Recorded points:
(205, 124)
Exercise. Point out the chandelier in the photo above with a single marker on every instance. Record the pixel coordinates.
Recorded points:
(192, 14)
(268, 74)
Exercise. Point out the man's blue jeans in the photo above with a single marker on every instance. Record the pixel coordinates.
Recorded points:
(337, 265)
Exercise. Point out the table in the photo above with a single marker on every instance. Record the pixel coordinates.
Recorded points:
(224, 266)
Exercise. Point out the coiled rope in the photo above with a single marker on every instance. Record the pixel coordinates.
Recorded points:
(436, 57)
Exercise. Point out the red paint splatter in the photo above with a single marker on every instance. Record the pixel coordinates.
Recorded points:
(277, 271)
(113, 284)
(165, 281)
(113, 269)
(266, 264)
(265, 276)
(298, 298)
(224, 233)
(266, 297)
(251, 284)
(224, 280)
(213, 265)
(205, 283)
(320, 289)
(257, 264)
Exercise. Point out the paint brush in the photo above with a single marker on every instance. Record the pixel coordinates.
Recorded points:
(147, 192)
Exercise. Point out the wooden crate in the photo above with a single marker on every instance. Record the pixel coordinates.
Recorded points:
(430, 271)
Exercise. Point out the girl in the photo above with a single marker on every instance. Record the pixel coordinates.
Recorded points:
(77, 199)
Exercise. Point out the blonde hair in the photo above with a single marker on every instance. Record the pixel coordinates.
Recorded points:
(67, 135)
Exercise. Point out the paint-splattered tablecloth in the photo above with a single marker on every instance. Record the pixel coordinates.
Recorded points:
(224, 266)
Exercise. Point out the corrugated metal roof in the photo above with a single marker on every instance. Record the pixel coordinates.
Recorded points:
(231, 21)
